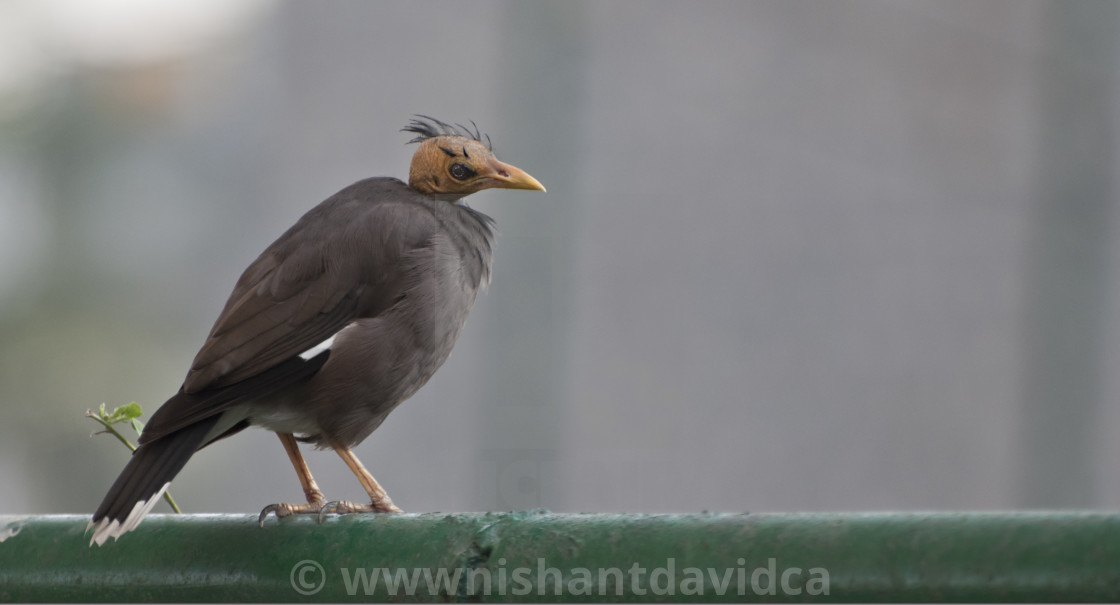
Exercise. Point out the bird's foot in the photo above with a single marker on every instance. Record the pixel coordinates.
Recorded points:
(283, 509)
(343, 507)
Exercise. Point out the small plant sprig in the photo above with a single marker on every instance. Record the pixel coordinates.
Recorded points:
(126, 413)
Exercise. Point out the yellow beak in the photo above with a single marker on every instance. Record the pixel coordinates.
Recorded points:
(505, 176)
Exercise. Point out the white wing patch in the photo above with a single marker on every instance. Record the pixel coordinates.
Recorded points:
(325, 345)
(319, 348)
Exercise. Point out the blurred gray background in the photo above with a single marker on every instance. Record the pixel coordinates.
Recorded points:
(846, 255)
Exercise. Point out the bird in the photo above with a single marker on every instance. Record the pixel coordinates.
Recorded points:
(341, 319)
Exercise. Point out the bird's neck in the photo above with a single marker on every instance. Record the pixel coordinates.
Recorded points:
(451, 198)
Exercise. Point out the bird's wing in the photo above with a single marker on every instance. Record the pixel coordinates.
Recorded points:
(344, 260)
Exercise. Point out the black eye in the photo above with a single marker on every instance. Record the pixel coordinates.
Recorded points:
(461, 172)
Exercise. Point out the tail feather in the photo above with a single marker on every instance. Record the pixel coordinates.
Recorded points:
(144, 480)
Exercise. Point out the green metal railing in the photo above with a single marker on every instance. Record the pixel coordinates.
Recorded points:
(538, 556)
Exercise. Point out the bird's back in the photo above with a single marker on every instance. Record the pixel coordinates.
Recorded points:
(388, 273)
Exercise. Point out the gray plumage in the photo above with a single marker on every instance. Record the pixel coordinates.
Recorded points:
(393, 273)
(340, 320)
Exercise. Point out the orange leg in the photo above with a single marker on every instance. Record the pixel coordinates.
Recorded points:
(315, 498)
(379, 499)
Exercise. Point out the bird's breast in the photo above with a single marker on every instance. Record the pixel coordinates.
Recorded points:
(378, 362)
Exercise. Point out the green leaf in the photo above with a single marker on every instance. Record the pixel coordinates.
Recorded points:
(124, 412)
(137, 425)
(130, 411)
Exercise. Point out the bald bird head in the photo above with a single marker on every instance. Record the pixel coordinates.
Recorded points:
(453, 162)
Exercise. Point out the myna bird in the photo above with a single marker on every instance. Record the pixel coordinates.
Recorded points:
(341, 319)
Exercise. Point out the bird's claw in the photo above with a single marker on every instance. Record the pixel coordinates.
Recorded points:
(345, 507)
(284, 509)
(328, 508)
(322, 509)
(271, 508)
